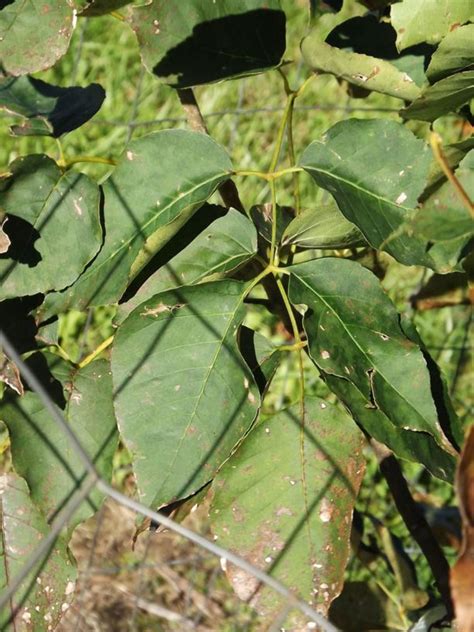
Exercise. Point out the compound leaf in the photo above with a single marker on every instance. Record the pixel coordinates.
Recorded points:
(376, 171)
(47, 591)
(284, 501)
(195, 42)
(53, 225)
(160, 182)
(354, 333)
(183, 394)
(49, 110)
(34, 35)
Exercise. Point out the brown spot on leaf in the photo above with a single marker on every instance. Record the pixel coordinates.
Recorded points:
(161, 308)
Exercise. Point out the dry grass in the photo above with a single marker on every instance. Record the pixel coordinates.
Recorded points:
(166, 583)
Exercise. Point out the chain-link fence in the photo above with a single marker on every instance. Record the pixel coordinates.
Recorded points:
(121, 509)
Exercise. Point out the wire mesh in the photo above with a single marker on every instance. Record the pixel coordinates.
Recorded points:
(138, 598)
(174, 579)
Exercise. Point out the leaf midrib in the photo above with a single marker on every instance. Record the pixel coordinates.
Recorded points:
(363, 352)
(93, 269)
(201, 393)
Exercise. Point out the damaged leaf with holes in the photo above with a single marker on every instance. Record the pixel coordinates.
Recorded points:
(47, 591)
(53, 226)
(41, 452)
(354, 333)
(284, 502)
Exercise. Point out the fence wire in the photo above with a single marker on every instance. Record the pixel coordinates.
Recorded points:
(84, 489)
(174, 577)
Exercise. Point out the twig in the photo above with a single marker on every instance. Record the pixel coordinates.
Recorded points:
(228, 190)
(414, 520)
(435, 141)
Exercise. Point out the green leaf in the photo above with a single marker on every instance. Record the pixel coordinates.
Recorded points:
(323, 227)
(33, 35)
(455, 53)
(418, 447)
(196, 42)
(160, 182)
(376, 171)
(354, 333)
(42, 453)
(184, 395)
(284, 502)
(46, 593)
(454, 154)
(444, 220)
(371, 37)
(53, 224)
(324, 19)
(50, 110)
(428, 21)
(447, 95)
(370, 73)
(221, 248)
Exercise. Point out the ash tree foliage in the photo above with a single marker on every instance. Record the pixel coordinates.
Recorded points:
(183, 382)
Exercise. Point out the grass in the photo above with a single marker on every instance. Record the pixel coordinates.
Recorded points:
(104, 50)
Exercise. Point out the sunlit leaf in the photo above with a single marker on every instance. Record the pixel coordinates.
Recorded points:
(53, 224)
(323, 227)
(284, 502)
(192, 42)
(428, 20)
(34, 35)
(46, 594)
(222, 247)
(376, 171)
(183, 394)
(447, 95)
(41, 451)
(354, 333)
(455, 53)
(361, 70)
(160, 182)
(417, 447)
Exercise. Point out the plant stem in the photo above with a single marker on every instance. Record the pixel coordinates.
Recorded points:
(271, 175)
(281, 133)
(66, 164)
(435, 142)
(292, 158)
(92, 356)
(273, 245)
(117, 16)
(414, 520)
(227, 190)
